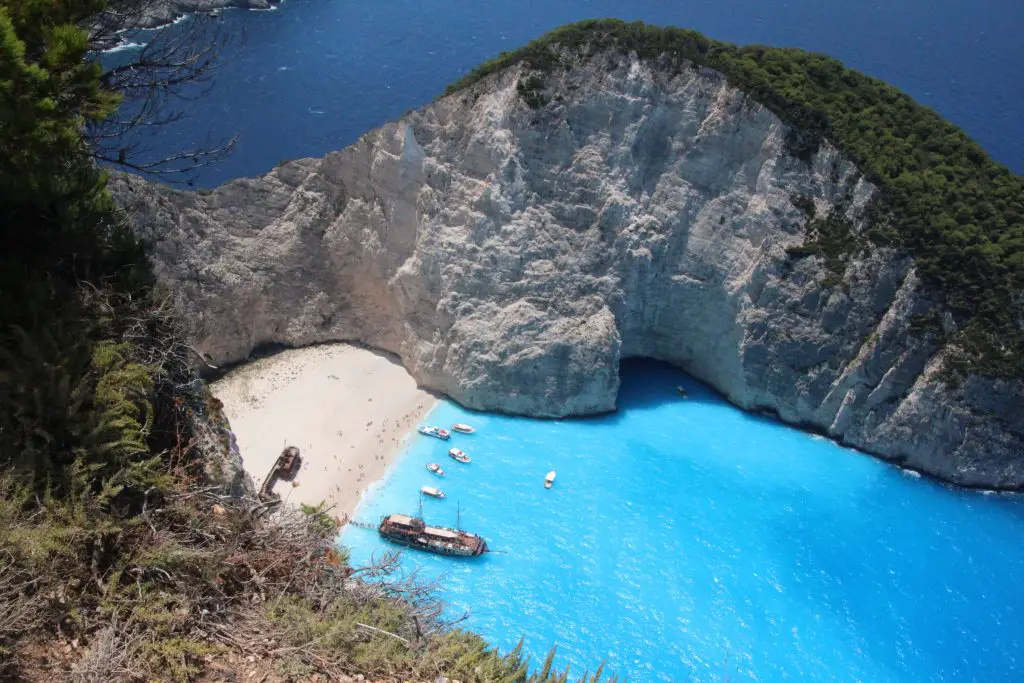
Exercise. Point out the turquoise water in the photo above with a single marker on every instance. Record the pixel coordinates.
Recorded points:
(685, 539)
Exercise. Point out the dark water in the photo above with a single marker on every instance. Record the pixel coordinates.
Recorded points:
(316, 74)
(686, 540)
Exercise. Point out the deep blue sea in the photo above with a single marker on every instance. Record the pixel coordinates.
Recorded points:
(314, 75)
(687, 540)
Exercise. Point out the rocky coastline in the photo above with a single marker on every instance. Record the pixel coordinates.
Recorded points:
(512, 255)
(163, 12)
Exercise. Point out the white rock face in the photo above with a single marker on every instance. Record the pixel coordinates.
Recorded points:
(512, 257)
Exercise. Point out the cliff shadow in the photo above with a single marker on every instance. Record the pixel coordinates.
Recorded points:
(648, 383)
(267, 350)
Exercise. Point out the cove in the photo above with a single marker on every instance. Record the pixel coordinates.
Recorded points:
(686, 540)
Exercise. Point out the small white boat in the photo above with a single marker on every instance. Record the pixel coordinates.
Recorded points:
(432, 492)
(464, 428)
(435, 432)
(549, 480)
(436, 469)
(459, 454)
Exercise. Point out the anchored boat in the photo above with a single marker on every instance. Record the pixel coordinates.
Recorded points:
(413, 532)
(459, 454)
(436, 469)
(464, 428)
(549, 480)
(432, 492)
(436, 432)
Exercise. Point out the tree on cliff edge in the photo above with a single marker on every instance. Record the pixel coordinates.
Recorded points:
(70, 393)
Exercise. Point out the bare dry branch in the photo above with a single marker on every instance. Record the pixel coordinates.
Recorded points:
(176, 65)
(107, 659)
(387, 633)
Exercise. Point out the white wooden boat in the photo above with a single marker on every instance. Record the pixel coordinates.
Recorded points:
(432, 492)
(436, 469)
(464, 428)
(459, 454)
(435, 432)
(549, 480)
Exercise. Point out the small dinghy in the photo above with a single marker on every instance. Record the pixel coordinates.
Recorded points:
(459, 454)
(549, 480)
(432, 492)
(435, 432)
(464, 428)
(436, 469)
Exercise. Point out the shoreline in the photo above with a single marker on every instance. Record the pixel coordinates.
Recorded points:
(174, 12)
(374, 460)
(348, 409)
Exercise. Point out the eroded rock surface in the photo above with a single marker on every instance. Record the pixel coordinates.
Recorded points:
(513, 256)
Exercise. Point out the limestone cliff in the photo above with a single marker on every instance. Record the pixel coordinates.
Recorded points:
(512, 255)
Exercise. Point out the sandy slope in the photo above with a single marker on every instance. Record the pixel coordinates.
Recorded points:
(346, 408)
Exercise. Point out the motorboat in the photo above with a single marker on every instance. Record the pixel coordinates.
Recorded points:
(436, 469)
(459, 454)
(549, 480)
(464, 428)
(436, 432)
(432, 492)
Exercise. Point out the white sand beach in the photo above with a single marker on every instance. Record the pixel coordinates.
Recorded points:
(346, 408)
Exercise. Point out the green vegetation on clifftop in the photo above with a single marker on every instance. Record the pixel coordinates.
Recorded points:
(960, 214)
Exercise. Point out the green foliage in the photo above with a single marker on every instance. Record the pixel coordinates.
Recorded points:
(321, 523)
(831, 237)
(960, 214)
(72, 398)
(56, 215)
(68, 402)
(531, 89)
(179, 657)
(458, 654)
(48, 91)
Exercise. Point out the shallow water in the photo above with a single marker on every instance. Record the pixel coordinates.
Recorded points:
(685, 538)
(315, 75)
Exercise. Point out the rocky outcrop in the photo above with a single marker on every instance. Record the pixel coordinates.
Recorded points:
(161, 12)
(513, 256)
